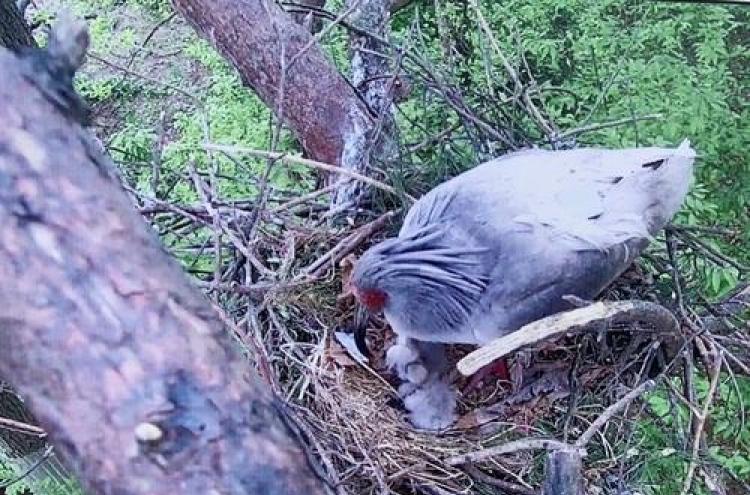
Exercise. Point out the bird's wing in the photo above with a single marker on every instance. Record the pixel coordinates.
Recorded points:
(582, 198)
(553, 223)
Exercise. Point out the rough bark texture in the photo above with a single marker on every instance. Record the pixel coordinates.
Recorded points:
(23, 452)
(372, 76)
(14, 31)
(259, 39)
(120, 359)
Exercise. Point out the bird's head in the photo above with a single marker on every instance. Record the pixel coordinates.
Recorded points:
(402, 273)
(367, 282)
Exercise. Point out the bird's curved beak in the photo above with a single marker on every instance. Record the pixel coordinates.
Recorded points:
(361, 317)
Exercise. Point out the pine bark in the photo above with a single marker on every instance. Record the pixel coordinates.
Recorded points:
(121, 360)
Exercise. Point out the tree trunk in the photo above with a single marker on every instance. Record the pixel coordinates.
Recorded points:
(263, 43)
(372, 76)
(121, 360)
(14, 32)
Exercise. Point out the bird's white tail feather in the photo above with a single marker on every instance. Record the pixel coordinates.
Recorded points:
(670, 186)
(662, 190)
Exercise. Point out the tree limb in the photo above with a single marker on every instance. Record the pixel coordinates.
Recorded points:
(124, 363)
(569, 321)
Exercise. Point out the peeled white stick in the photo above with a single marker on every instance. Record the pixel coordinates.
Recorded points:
(566, 322)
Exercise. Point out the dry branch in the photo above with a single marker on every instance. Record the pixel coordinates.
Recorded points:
(564, 463)
(569, 321)
(286, 158)
(700, 425)
(124, 363)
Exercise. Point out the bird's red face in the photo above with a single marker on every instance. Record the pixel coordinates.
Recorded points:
(372, 299)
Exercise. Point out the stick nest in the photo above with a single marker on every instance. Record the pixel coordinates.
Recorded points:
(287, 300)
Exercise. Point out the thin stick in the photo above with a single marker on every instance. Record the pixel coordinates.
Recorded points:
(260, 354)
(18, 426)
(506, 486)
(346, 246)
(200, 188)
(611, 411)
(254, 291)
(285, 158)
(605, 125)
(579, 319)
(715, 372)
(510, 447)
(304, 198)
(146, 78)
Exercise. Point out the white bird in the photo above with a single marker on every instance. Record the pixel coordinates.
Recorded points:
(499, 245)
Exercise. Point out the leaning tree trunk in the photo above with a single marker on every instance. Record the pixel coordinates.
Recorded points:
(122, 361)
(14, 32)
(23, 448)
(280, 61)
(372, 74)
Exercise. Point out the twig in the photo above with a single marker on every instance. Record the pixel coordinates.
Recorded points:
(587, 435)
(705, 229)
(715, 373)
(605, 125)
(575, 320)
(506, 486)
(236, 242)
(20, 427)
(152, 80)
(511, 447)
(255, 291)
(260, 355)
(156, 153)
(529, 105)
(346, 246)
(305, 198)
(158, 206)
(46, 455)
(285, 158)
(712, 253)
(148, 37)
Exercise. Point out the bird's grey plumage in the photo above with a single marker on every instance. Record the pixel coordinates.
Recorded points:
(499, 245)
